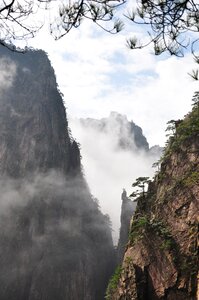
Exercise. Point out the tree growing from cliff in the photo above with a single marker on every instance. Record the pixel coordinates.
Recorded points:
(142, 184)
(172, 127)
(195, 101)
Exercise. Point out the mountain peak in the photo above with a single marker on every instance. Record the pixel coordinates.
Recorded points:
(126, 134)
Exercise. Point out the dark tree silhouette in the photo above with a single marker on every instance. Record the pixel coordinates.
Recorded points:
(98, 11)
(141, 183)
(17, 20)
(171, 25)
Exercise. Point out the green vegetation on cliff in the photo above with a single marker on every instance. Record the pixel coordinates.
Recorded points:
(113, 283)
(183, 130)
(162, 248)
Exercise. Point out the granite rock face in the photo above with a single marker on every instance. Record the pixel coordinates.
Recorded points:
(127, 135)
(161, 260)
(54, 241)
(127, 210)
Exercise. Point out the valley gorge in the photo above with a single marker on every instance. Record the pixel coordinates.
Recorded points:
(55, 243)
(114, 151)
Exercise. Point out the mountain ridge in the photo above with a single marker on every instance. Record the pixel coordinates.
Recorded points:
(130, 136)
(161, 258)
(54, 241)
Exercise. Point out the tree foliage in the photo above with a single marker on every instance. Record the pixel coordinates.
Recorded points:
(171, 25)
(141, 183)
(98, 11)
(113, 282)
(15, 21)
(22, 20)
(195, 101)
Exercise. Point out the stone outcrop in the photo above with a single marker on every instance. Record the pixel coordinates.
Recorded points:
(161, 260)
(127, 210)
(126, 134)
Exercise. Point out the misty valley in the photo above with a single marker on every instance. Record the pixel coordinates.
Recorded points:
(56, 241)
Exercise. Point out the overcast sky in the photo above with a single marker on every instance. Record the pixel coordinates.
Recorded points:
(98, 74)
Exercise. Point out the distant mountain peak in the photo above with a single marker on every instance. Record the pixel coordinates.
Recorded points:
(126, 134)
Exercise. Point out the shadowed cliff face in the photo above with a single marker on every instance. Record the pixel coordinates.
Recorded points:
(54, 241)
(161, 260)
(126, 135)
(127, 210)
(34, 134)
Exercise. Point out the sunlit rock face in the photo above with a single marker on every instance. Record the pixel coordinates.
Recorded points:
(54, 241)
(161, 259)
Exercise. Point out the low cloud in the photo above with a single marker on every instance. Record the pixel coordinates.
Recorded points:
(48, 203)
(108, 167)
(7, 74)
(47, 222)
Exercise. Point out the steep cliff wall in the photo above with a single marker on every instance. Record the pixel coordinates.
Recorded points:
(161, 260)
(127, 210)
(125, 134)
(54, 241)
(34, 135)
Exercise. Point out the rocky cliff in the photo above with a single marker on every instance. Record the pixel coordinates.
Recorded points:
(54, 241)
(161, 259)
(127, 134)
(114, 151)
(127, 210)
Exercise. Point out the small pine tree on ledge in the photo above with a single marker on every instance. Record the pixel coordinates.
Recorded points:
(141, 183)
